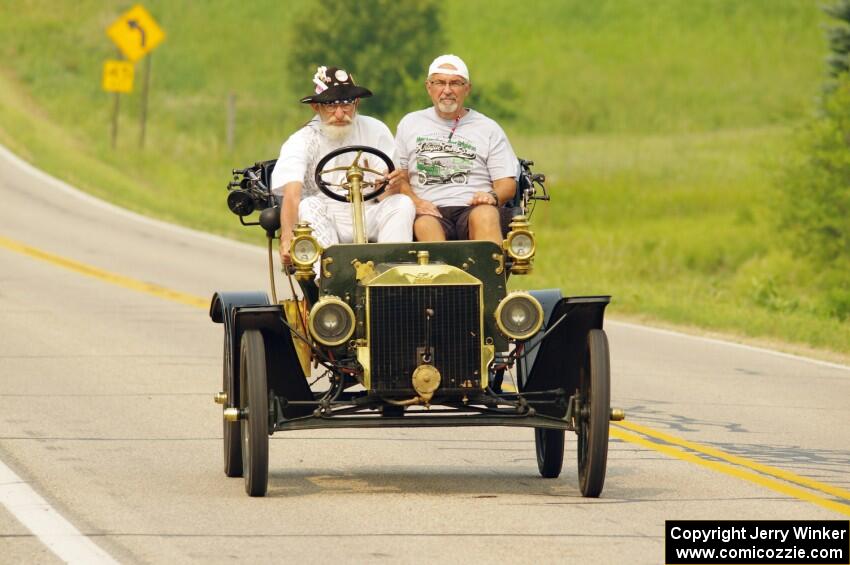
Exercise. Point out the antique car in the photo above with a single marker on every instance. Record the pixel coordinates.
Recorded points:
(442, 169)
(407, 334)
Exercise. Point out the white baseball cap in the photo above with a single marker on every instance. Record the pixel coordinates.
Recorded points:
(437, 67)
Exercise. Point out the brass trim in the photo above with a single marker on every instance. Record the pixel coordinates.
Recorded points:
(499, 258)
(232, 414)
(326, 263)
(324, 301)
(617, 414)
(511, 236)
(304, 269)
(431, 274)
(520, 268)
(364, 272)
(365, 360)
(426, 380)
(511, 296)
(295, 310)
(521, 263)
(220, 398)
(354, 176)
(488, 353)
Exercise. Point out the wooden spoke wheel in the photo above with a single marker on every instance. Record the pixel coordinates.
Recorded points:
(254, 403)
(231, 432)
(594, 409)
(550, 451)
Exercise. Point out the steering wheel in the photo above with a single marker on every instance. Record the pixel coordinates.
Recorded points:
(378, 187)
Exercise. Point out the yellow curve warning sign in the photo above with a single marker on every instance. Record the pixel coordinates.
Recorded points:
(135, 33)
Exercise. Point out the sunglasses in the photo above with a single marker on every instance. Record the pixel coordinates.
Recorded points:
(341, 103)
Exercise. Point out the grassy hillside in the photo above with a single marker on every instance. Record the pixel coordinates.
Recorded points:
(659, 125)
(633, 66)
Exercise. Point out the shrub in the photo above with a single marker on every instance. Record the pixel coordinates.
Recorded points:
(814, 207)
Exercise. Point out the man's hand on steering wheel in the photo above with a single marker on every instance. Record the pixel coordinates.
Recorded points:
(394, 181)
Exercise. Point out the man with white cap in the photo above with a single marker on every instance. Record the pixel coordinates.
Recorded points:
(460, 165)
(336, 124)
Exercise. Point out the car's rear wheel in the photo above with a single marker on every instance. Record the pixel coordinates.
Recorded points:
(254, 403)
(550, 451)
(231, 431)
(593, 414)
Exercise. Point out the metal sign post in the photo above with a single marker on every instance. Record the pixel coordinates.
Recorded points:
(136, 34)
(117, 78)
(144, 111)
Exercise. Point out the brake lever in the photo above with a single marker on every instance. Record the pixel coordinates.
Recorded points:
(539, 182)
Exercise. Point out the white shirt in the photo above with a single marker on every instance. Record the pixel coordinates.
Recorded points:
(300, 154)
(449, 161)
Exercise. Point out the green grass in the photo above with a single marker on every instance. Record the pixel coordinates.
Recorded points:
(677, 228)
(632, 66)
(658, 124)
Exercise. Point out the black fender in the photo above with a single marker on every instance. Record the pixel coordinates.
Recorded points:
(251, 310)
(222, 304)
(222, 308)
(556, 361)
(548, 298)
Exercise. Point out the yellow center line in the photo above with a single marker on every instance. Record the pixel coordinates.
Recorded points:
(106, 276)
(727, 469)
(737, 460)
(616, 432)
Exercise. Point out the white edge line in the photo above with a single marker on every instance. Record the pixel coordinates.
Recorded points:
(732, 344)
(54, 531)
(65, 187)
(88, 198)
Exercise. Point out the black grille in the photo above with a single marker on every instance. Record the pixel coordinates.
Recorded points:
(398, 334)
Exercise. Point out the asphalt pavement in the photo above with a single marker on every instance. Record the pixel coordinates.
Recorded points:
(109, 363)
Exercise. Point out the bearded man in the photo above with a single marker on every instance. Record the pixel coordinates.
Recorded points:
(457, 164)
(336, 124)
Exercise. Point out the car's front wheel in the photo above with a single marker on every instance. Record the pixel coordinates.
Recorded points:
(594, 414)
(254, 405)
(550, 451)
(231, 431)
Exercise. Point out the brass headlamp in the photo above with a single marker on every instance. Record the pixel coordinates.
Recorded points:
(331, 321)
(519, 315)
(520, 245)
(304, 250)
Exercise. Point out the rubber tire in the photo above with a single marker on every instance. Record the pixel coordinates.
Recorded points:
(550, 451)
(254, 400)
(231, 431)
(595, 394)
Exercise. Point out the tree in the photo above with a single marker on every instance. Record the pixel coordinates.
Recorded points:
(386, 45)
(838, 61)
(839, 37)
(814, 203)
(814, 208)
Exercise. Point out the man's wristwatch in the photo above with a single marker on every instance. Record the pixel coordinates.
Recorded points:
(495, 196)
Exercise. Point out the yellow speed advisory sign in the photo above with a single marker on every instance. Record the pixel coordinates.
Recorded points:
(135, 33)
(118, 76)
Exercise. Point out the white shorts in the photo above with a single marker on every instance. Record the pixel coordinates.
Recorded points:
(390, 220)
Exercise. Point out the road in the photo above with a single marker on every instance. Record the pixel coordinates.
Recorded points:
(109, 363)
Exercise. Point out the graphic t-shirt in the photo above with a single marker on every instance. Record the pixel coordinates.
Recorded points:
(449, 162)
(300, 154)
